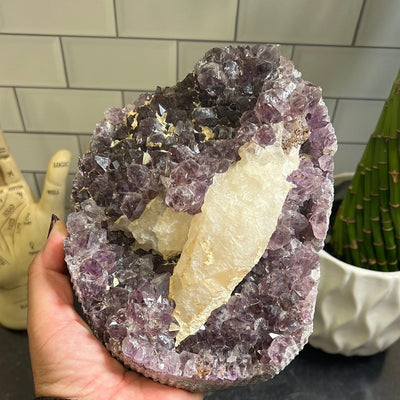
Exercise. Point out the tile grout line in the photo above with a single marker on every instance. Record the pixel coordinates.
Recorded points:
(64, 63)
(47, 133)
(334, 110)
(81, 152)
(177, 61)
(236, 21)
(39, 171)
(115, 19)
(19, 109)
(292, 52)
(352, 143)
(34, 173)
(140, 90)
(353, 42)
(97, 37)
(125, 100)
(77, 88)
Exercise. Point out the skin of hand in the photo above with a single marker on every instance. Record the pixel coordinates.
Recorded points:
(24, 225)
(67, 360)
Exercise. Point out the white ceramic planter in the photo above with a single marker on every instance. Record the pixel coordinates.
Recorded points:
(357, 310)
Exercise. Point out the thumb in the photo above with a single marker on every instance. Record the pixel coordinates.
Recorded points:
(53, 195)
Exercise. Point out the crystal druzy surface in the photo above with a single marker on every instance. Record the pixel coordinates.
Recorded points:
(150, 172)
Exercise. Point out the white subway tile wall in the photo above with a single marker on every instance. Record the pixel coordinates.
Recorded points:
(64, 111)
(349, 72)
(58, 17)
(30, 179)
(119, 63)
(380, 25)
(64, 62)
(26, 148)
(10, 117)
(330, 22)
(183, 19)
(31, 61)
(354, 119)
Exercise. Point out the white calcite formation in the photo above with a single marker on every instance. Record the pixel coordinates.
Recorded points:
(198, 212)
(230, 234)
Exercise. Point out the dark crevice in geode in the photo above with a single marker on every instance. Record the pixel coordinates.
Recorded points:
(189, 134)
(172, 143)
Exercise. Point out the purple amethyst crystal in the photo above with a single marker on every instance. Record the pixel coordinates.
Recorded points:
(172, 145)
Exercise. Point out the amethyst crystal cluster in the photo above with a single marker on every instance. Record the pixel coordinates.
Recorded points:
(172, 145)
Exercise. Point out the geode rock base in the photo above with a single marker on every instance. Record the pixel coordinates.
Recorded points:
(153, 169)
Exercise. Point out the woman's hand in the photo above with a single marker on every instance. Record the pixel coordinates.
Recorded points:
(67, 360)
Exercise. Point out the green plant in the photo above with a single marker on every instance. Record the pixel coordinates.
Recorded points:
(366, 229)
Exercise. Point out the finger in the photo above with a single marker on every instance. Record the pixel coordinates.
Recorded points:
(9, 171)
(49, 262)
(51, 314)
(52, 254)
(50, 298)
(53, 196)
(48, 282)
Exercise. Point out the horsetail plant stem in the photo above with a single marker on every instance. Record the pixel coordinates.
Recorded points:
(366, 229)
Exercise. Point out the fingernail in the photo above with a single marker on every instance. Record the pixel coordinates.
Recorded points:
(53, 221)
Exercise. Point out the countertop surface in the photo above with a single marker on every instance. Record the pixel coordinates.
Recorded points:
(312, 375)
